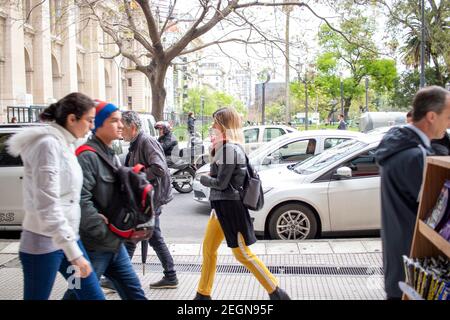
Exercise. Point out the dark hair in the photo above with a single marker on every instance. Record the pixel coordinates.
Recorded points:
(341, 115)
(409, 114)
(428, 99)
(74, 103)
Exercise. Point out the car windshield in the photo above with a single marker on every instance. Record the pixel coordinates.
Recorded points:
(328, 157)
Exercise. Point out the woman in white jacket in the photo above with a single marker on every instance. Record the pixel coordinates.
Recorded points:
(51, 190)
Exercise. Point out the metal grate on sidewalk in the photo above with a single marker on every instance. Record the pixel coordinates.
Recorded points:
(287, 270)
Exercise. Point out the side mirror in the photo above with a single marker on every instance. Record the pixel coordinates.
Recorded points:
(343, 173)
(268, 160)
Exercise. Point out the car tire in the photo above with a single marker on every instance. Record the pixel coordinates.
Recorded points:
(293, 222)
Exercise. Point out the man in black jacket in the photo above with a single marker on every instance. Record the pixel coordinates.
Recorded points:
(144, 149)
(401, 156)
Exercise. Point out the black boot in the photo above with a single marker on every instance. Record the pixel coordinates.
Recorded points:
(200, 296)
(279, 294)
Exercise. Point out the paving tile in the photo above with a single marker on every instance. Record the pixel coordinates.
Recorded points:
(258, 248)
(185, 249)
(347, 247)
(372, 245)
(11, 248)
(4, 245)
(314, 247)
(282, 248)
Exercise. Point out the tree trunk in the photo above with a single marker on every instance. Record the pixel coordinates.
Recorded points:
(347, 104)
(156, 79)
(437, 71)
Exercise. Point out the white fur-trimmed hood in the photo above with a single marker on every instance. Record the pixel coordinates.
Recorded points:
(20, 141)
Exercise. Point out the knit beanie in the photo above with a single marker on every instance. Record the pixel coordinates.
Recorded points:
(102, 111)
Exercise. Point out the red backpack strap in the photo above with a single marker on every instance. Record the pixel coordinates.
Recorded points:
(83, 148)
(138, 168)
(148, 188)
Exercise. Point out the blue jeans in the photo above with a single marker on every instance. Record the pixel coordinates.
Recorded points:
(160, 247)
(117, 267)
(39, 274)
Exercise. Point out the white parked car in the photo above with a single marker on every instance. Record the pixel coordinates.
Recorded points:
(334, 192)
(290, 148)
(11, 175)
(254, 137)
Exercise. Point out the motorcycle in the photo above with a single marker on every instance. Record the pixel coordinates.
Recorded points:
(183, 166)
(182, 175)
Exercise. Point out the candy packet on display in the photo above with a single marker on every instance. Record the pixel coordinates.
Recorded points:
(440, 208)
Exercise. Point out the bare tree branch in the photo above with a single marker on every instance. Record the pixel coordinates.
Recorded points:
(217, 43)
(152, 28)
(167, 18)
(136, 34)
(115, 37)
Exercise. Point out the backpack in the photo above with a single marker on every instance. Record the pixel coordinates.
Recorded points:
(130, 212)
(252, 192)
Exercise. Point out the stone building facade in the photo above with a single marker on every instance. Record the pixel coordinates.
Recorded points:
(51, 51)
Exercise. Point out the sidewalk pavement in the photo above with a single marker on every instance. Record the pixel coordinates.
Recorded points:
(348, 269)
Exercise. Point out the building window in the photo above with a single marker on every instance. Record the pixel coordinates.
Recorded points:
(130, 103)
(130, 82)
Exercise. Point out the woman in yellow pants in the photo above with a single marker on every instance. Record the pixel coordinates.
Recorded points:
(230, 219)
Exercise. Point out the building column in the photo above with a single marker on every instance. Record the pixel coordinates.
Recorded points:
(15, 86)
(69, 51)
(115, 83)
(95, 67)
(42, 58)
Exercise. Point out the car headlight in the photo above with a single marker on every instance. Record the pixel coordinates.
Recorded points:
(267, 189)
(198, 175)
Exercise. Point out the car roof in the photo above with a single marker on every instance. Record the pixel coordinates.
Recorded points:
(14, 127)
(281, 126)
(328, 132)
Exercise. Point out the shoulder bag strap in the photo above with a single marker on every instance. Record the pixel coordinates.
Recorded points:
(85, 147)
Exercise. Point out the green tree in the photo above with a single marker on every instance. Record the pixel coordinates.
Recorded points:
(406, 86)
(405, 19)
(359, 59)
(213, 100)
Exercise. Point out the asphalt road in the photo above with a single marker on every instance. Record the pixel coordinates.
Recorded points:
(183, 220)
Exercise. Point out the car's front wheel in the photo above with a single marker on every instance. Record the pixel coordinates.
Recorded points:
(293, 222)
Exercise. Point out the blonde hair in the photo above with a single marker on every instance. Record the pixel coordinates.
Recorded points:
(230, 124)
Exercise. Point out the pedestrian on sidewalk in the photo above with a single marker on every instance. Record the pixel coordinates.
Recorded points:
(401, 156)
(230, 219)
(191, 124)
(146, 150)
(342, 124)
(52, 184)
(106, 250)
